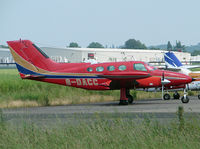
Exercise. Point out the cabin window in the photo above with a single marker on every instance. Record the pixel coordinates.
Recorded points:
(122, 67)
(89, 69)
(111, 68)
(99, 69)
(139, 67)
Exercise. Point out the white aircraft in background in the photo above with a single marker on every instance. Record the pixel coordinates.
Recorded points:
(173, 63)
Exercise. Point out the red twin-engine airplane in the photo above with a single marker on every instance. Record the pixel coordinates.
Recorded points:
(32, 63)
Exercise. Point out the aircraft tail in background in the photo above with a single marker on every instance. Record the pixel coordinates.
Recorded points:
(171, 61)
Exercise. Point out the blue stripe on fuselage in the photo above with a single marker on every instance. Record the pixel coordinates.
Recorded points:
(29, 72)
(25, 71)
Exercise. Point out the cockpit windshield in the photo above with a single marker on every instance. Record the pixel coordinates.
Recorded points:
(150, 67)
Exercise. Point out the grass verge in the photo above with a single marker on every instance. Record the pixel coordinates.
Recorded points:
(104, 133)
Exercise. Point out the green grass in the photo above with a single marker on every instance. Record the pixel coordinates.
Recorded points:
(15, 92)
(12, 87)
(195, 69)
(108, 134)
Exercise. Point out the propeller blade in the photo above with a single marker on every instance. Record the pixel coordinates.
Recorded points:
(162, 91)
(163, 76)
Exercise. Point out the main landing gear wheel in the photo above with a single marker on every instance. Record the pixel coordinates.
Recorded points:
(199, 96)
(130, 99)
(176, 95)
(166, 96)
(185, 99)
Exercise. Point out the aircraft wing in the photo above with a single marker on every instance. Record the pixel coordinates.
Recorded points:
(191, 66)
(175, 69)
(125, 75)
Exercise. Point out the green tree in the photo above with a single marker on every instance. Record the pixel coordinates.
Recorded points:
(95, 45)
(179, 46)
(74, 45)
(134, 44)
(169, 46)
(196, 52)
(154, 48)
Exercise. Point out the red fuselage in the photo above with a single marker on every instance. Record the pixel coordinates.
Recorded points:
(34, 64)
(87, 76)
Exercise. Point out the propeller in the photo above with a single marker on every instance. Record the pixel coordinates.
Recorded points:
(164, 82)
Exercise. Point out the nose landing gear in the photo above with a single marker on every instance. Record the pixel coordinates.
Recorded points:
(185, 98)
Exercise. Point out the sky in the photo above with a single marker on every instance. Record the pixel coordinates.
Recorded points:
(56, 23)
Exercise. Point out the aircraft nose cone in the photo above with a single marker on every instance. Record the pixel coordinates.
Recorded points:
(189, 79)
(193, 79)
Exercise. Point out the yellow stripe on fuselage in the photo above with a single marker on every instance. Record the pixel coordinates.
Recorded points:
(194, 75)
(169, 77)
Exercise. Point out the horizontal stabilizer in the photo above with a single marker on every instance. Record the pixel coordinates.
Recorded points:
(31, 76)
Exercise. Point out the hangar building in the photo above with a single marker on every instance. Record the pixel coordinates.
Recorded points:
(75, 55)
(5, 56)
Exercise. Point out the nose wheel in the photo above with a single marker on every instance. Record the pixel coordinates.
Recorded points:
(185, 98)
(166, 96)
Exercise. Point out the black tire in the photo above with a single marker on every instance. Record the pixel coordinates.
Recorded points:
(166, 97)
(199, 96)
(130, 99)
(185, 100)
(176, 95)
(123, 102)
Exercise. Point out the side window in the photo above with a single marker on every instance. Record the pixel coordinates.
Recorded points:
(111, 68)
(122, 67)
(89, 69)
(100, 69)
(139, 67)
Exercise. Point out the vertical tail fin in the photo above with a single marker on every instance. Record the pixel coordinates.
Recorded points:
(171, 61)
(29, 58)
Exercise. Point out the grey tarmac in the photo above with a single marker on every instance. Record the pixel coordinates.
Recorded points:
(161, 110)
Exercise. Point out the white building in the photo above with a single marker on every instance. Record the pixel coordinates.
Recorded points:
(76, 55)
(5, 56)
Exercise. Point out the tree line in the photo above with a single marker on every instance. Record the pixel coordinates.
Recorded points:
(132, 44)
(137, 44)
(178, 47)
(129, 44)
